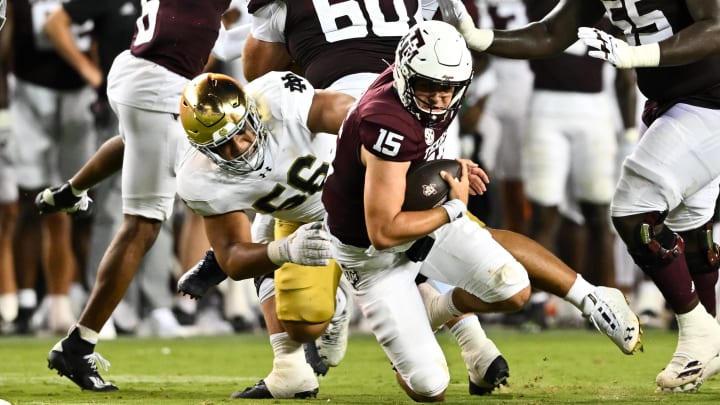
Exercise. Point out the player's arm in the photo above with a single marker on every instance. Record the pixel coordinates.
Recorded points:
(57, 28)
(549, 36)
(384, 194)
(328, 110)
(698, 40)
(230, 236)
(260, 57)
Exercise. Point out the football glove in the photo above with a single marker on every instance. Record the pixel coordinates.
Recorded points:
(455, 14)
(617, 51)
(309, 245)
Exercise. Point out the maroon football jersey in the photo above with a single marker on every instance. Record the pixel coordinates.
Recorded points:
(565, 72)
(35, 59)
(178, 34)
(329, 40)
(381, 124)
(696, 83)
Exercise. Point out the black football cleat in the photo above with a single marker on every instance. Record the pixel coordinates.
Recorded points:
(80, 368)
(61, 198)
(261, 391)
(313, 358)
(201, 277)
(495, 376)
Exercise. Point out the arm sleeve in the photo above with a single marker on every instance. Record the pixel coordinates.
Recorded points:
(268, 23)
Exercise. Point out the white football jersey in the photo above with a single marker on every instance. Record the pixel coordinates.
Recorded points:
(297, 161)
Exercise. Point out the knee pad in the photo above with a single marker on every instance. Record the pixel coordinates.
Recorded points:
(655, 250)
(702, 253)
(265, 287)
(429, 381)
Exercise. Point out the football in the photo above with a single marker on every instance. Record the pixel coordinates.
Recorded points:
(424, 188)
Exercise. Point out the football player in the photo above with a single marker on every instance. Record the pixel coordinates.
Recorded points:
(664, 201)
(401, 120)
(303, 34)
(256, 149)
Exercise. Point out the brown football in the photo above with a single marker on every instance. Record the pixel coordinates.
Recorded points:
(424, 188)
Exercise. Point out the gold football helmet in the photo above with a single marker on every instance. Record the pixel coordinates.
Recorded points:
(214, 107)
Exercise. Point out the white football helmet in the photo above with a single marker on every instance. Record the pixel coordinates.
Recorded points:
(213, 109)
(433, 51)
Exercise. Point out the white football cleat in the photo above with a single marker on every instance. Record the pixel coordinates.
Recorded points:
(696, 353)
(608, 310)
(332, 344)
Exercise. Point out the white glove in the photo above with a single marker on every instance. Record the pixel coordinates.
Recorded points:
(455, 14)
(617, 51)
(309, 245)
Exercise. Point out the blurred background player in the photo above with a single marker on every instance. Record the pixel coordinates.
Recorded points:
(8, 190)
(52, 101)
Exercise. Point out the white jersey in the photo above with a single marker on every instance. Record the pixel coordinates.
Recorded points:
(288, 184)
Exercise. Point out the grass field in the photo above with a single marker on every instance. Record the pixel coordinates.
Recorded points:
(556, 367)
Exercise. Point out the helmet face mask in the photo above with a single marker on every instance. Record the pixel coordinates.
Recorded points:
(435, 52)
(214, 109)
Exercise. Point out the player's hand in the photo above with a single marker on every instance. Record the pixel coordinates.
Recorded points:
(309, 245)
(459, 187)
(454, 13)
(617, 51)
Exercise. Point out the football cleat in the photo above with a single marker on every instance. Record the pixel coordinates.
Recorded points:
(201, 277)
(695, 355)
(80, 368)
(495, 376)
(607, 309)
(61, 198)
(332, 344)
(261, 391)
(312, 357)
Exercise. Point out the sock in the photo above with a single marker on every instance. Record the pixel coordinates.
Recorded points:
(88, 334)
(705, 287)
(477, 350)
(577, 293)
(27, 298)
(675, 283)
(187, 305)
(286, 348)
(76, 192)
(8, 306)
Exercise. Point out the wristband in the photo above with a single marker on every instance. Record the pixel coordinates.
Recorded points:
(274, 252)
(4, 118)
(646, 55)
(454, 208)
(477, 39)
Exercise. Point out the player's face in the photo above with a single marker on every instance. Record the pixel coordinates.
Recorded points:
(238, 145)
(432, 97)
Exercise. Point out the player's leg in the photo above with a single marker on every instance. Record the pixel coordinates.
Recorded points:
(148, 196)
(8, 219)
(291, 376)
(384, 288)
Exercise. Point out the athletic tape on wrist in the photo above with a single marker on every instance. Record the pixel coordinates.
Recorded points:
(455, 209)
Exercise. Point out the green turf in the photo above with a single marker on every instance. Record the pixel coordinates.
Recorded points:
(556, 367)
